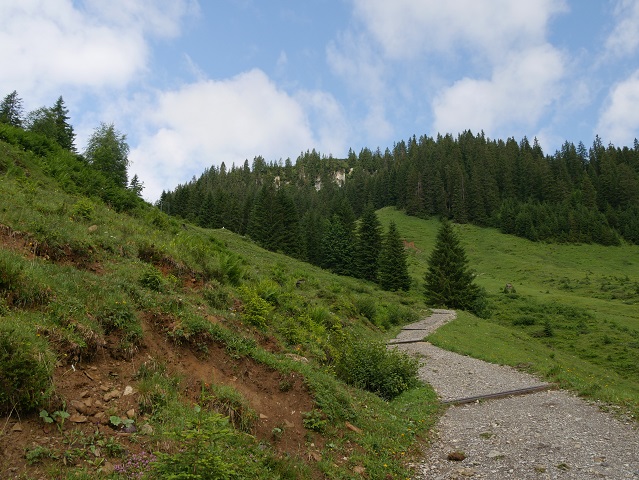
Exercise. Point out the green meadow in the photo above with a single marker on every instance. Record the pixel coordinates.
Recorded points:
(572, 315)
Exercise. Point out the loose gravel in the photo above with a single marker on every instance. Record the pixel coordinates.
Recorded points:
(544, 435)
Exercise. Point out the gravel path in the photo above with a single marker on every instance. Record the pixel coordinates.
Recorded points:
(545, 435)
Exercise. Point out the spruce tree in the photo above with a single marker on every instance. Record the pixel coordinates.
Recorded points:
(337, 247)
(369, 245)
(64, 131)
(392, 271)
(11, 110)
(449, 281)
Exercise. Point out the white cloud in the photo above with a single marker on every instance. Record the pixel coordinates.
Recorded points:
(478, 65)
(405, 28)
(619, 122)
(352, 58)
(210, 122)
(48, 45)
(516, 95)
(624, 38)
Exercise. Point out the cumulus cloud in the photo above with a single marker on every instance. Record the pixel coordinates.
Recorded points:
(48, 45)
(624, 39)
(352, 58)
(405, 28)
(210, 122)
(461, 63)
(619, 122)
(516, 95)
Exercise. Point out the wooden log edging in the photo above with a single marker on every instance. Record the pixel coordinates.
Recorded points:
(400, 342)
(508, 393)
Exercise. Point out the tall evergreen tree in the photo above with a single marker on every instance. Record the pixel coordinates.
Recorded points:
(64, 131)
(449, 281)
(369, 245)
(53, 123)
(393, 263)
(337, 247)
(11, 110)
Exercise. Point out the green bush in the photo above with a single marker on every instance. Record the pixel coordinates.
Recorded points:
(255, 309)
(202, 455)
(398, 315)
(366, 307)
(25, 372)
(216, 295)
(152, 279)
(372, 367)
(83, 209)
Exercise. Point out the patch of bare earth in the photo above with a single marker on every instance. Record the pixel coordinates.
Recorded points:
(105, 386)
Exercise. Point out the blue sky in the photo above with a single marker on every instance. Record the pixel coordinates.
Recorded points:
(196, 83)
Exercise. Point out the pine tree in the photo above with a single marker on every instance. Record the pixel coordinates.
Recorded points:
(64, 131)
(369, 245)
(337, 247)
(393, 266)
(11, 110)
(449, 282)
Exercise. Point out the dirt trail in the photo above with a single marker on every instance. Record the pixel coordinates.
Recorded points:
(544, 435)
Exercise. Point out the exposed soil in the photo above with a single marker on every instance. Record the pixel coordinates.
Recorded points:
(106, 386)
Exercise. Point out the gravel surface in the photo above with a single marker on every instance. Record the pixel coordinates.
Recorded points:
(545, 435)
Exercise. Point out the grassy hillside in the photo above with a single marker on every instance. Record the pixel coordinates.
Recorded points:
(573, 315)
(130, 342)
(134, 343)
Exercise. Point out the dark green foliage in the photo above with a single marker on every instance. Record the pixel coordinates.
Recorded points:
(372, 367)
(25, 375)
(11, 110)
(337, 247)
(571, 196)
(393, 267)
(449, 281)
(53, 124)
(369, 245)
(274, 221)
(64, 134)
(366, 307)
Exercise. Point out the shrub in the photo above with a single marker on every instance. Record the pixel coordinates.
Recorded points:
(230, 269)
(216, 295)
(255, 308)
(83, 209)
(398, 315)
(25, 372)
(366, 307)
(117, 315)
(201, 455)
(152, 279)
(372, 367)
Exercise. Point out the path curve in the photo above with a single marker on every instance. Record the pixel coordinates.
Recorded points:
(543, 435)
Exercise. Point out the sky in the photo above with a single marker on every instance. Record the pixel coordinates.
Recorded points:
(194, 83)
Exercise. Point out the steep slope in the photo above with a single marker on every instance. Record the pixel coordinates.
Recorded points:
(130, 342)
